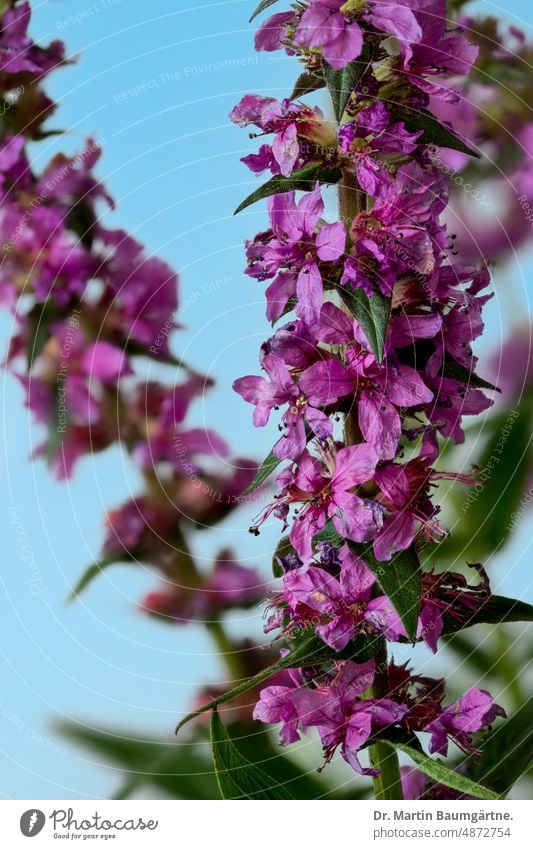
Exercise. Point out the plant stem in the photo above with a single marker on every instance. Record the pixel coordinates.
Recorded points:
(387, 785)
(226, 649)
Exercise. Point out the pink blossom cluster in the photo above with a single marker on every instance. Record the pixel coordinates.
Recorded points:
(355, 503)
(88, 304)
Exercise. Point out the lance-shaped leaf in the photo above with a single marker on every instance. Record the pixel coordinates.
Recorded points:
(237, 777)
(265, 470)
(306, 83)
(172, 770)
(508, 753)
(309, 652)
(434, 132)
(261, 8)
(342, 83)
(303, 179)
(439, 772)
(283, 548)
(401, 580)
(94, 570)
(456, 371)
(371, 313)
(496, 610)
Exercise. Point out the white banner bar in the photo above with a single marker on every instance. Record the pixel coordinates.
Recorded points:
(354, 825)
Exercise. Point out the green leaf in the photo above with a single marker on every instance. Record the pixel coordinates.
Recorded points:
(237, 777)
(267, 467)
(488, 515)
(442, 774)
(261, 8)
(93, 571)
(456, 371)
(283, 548)
(508, 753)
(329, 534)
(179, 771)
(303, 179)
(306, 83)
(309, 652)
(38, 322)
(371, 313)
(342, 83)
(496, 610)
(434, 132)
(401, 580)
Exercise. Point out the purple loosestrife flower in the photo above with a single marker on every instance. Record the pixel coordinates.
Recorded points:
(449, 593)
(18, 52)
(405, 496)
(472, 712)
(321, 384)
(335, 707)
(344, 605)
(140, 297)
(401, 234)
(332, 25)
(325, 489)
(438, 51)
(453, 400)
(423, 698)
(301, 133)
(228, 585)
(162, 411)
(290, 252)
(382, 390)
(368, 139)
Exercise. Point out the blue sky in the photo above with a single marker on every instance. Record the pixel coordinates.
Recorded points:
(154, 84)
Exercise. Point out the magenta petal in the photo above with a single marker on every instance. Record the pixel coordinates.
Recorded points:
(104, 362)
(278, 293)
(394, 19)
(356, 578)
(293, 442)
(311, 208)
(354, 464)
(408, 389)
(286, 149)
(380, 425)
(380, 612)
(313, 587)
(345, 47)
(331, 241)
(319, 423)
(309, 291)
(397, 534)
(270, 33)
(325, 382)
(338, 632)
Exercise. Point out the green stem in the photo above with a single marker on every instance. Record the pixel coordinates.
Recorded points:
(387, 785)
(226, 649)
